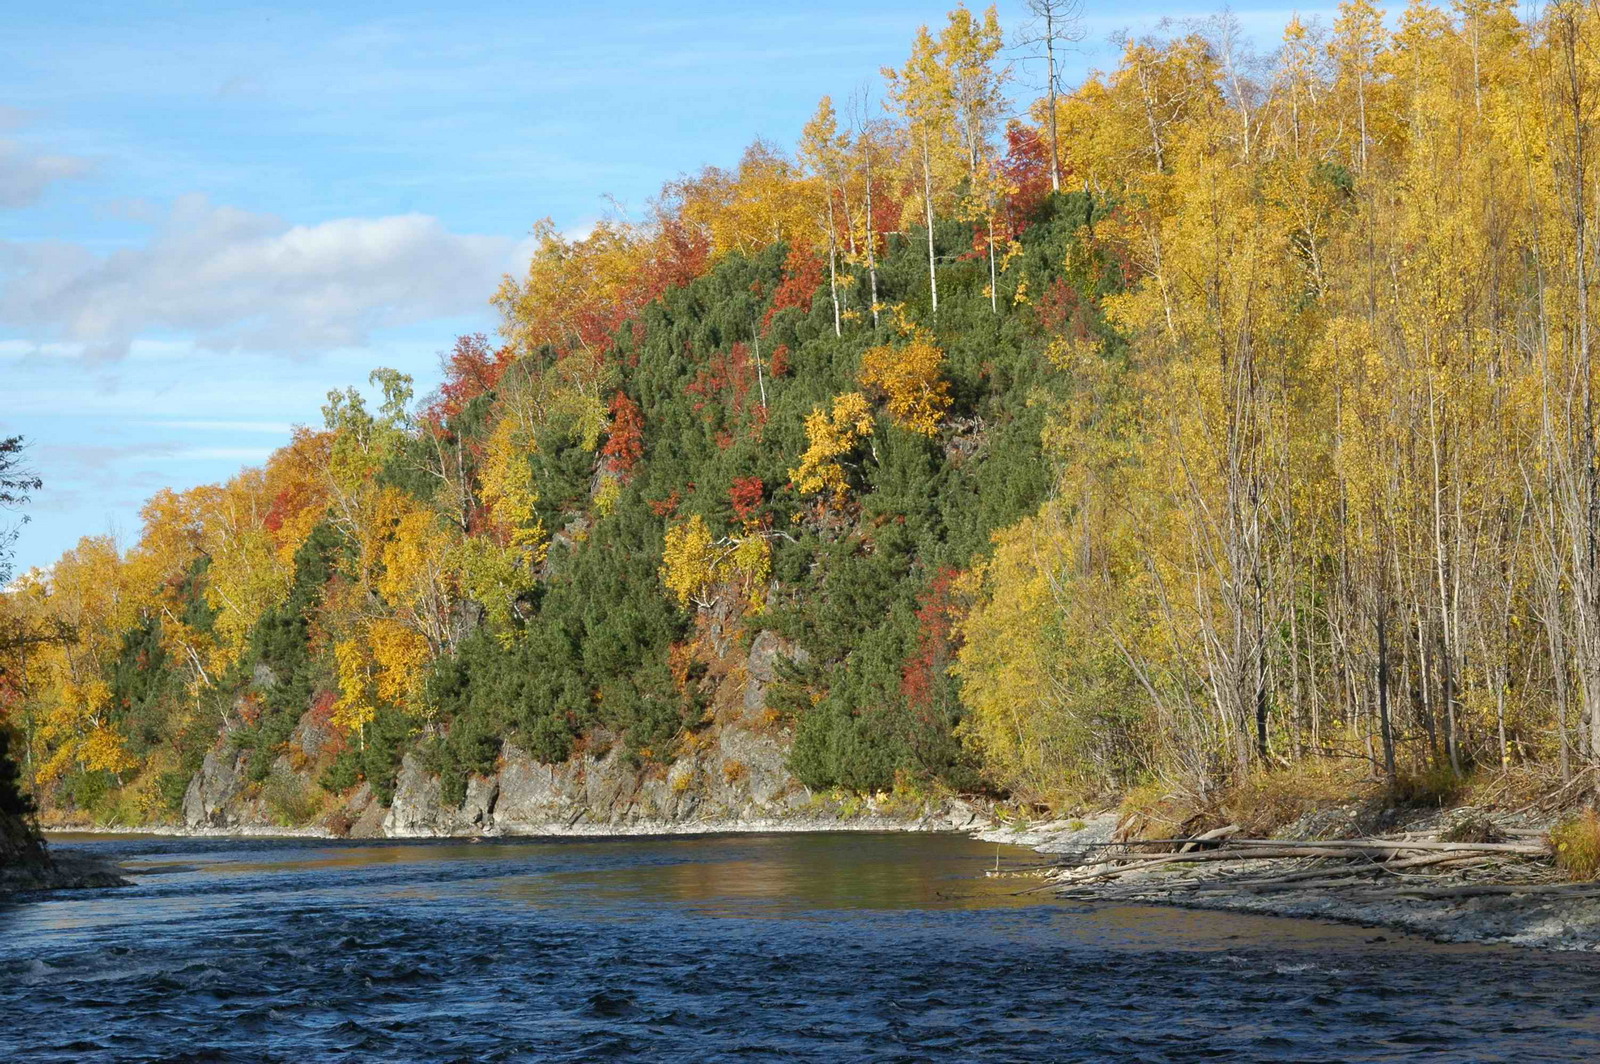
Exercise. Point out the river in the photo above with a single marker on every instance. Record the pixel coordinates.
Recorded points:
(837, 947)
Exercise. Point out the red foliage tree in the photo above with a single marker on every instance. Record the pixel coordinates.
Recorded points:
(471, 369)
(667, 507)
(279, 509)
(746, 495)
(802, 276)
(681, 254)
(625, 446)
(1062, 310)
(779, 365)
(937, 612)
(1026, 168)
(726, 380)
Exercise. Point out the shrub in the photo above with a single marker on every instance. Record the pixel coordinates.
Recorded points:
(89, 790)
(1577, 846)
(1436, 785)
(342, 774)
(292, 802)
(1264, 802)
(1151, 811)
(172, 786)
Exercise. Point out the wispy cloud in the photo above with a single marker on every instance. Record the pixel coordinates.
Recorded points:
(25, 175)
(94, 458)
(276, 428)
(241, 281)
(248, 455)
(97, 468)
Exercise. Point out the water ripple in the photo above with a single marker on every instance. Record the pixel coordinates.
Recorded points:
(807, 948)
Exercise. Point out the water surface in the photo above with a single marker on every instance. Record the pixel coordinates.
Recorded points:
(729, 948)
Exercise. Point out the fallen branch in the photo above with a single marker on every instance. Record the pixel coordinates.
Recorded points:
(1534, 849)
(1574, 890)
(1257, 854)
(1382, 853)
(1374, 869)
(1212, 835)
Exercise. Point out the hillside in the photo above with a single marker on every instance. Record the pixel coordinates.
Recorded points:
(694, 518)
(1223, 429)
(691, 609)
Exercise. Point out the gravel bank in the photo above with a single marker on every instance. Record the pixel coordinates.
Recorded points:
(1531, 909)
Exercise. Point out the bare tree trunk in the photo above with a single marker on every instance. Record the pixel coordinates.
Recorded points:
(833, 273)
(1385, 721)
(1582, 491)
(1050, 75)
(927, 202)
(994, 303)
(872, 254)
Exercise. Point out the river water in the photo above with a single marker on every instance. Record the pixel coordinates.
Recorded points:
(726, 948)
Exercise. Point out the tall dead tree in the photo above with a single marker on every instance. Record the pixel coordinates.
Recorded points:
(1056, 24)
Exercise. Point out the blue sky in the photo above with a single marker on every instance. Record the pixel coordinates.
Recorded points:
(212, 214)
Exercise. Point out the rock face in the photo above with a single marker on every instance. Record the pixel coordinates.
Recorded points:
(740, 780)
(211, 800)
(731, 776)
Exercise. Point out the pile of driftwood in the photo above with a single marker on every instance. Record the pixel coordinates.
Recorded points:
(1403, 865)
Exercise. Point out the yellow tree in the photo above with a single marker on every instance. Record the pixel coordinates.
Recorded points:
(688, 561)
(921, 93)
(502, 567)
(693, 564)
(356, 706)
(88, 592)
(171, 545)
(909, 377)
(968, 48)
(419, 580)
(576, 291)
(765, 201)
(823, 148)
(830, 436)
(247, 575)
(1358, 38)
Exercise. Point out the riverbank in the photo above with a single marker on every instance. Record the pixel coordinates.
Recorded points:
(951, 815)
(1524, 901)
(1524, 904)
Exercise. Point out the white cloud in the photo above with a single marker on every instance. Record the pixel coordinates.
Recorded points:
(240, 281)
(25, 175)
(275, 428)
(247, 455)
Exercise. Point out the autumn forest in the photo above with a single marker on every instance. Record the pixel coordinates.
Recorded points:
(1225, 414)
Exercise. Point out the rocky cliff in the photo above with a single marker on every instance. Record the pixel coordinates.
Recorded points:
(732, 776)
